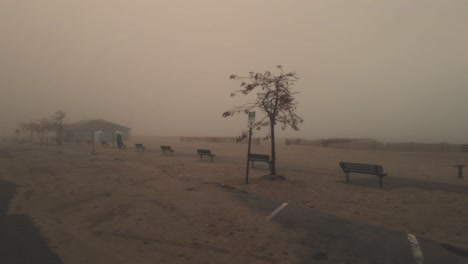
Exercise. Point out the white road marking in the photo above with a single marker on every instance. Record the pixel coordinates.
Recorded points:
(417, 253)
(276, 211)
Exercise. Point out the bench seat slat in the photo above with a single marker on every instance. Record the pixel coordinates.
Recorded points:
(167, 148)
(205, 152)
(140, 146)
(259, 157)
(349, 167)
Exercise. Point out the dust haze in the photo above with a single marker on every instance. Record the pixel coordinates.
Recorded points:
(393, 70)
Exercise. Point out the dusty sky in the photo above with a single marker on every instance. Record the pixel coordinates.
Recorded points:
(395, 70)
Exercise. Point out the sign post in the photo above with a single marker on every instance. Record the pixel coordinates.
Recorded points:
(250, 125)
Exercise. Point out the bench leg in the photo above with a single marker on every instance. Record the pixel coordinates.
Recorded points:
(347, 177)
(252, 163)
(201, 157)
(211, 158)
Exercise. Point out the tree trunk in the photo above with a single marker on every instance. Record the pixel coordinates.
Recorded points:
(273, 149)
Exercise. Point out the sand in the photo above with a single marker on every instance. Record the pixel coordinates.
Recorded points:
(121, 206)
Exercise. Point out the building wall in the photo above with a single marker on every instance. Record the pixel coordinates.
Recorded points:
(83, 132)
(84, 135)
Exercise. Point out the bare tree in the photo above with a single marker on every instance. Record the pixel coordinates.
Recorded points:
(39, 130)
(30, 128)
(275, 98)
(46, 125)
(43, 126)
(58, 120)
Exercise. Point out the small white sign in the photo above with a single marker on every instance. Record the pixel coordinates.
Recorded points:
(251, 120)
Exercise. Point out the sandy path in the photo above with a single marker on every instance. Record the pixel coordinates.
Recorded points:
(97, 209)
(124, 206)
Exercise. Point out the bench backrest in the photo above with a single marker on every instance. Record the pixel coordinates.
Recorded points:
(361, 168)
(259, 156)
(139, 145)
(165, 147)
(204, 151)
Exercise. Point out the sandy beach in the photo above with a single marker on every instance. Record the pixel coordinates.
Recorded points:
(124, 206)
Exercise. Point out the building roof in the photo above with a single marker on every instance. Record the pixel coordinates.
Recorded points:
(96, 123)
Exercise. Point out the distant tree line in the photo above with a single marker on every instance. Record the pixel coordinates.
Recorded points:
(327, 141)
(41, 128)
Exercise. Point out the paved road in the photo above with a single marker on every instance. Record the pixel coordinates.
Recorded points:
(336, 240)
(20, 241)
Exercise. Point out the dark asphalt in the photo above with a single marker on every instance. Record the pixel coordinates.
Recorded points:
(20, 241)
(336, 240)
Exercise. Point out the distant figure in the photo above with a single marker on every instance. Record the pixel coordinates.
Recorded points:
(120, 143)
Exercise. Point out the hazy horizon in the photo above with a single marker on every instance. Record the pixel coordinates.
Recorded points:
(392, 70)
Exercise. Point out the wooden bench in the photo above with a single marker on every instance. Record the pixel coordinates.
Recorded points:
(139, 146)
(89, 142)
(205, 152)
(167, 148)
(349, 167)
(104, 144)
(259, 157)
(121, 145)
